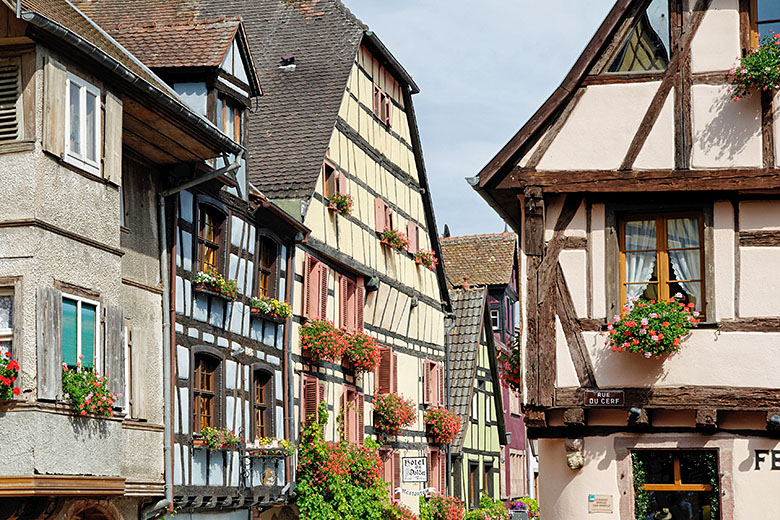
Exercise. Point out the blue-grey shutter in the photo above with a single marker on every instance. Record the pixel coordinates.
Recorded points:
(115, 350)
(49, 343)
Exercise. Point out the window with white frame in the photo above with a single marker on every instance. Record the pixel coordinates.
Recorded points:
(6, 319)
(82, 124)
(495, 319)
(80, 333)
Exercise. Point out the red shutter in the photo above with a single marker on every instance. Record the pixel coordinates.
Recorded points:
(394, 376)
(411, 232)
(431, 478)
(360, 298)
(309, 400)
(343, 186)
(376, 100)
(427, 382)
(306, 285)
(344, 301)
(384, 371)
(386, 117)
(379, 214)
(323, 292)
(396, 474)
(361, 401)
(442, 472)
(440, 377)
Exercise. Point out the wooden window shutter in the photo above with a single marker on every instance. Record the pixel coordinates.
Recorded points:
(112, 165)
(114, 341)
(440, 384)
(49, 336)
(376, 100)
(307, 273)
(309, 400)
(396, 473)
(54, 83)
(394, 376)
(427, 382)
(379, 215)
(384, 371)
(431, 469)
(344, 302)
(411, 232)
(360, 298)
(138, 361)
(361, 405)
(442, 472)
(387, 105)
(323, 292)
(10, 98)
(342, 182)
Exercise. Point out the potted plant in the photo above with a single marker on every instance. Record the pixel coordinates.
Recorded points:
(393, 412)
(427, 259)
(270, 308)
(759, 70)
(87, 391)
(9, 371)
(321, 341)
(511, 366)
(217, 439)
(394, 239)
(442, 425)
(653, 328)
(341, 203)
(362, 352)
(267, 446)
(528, 505)
(211, 282)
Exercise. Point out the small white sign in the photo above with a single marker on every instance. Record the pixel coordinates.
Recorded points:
(414, 469)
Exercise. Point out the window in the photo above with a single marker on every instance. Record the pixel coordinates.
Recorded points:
(387, 371)
(661, 257)
(351, 295)
(413, 232)
(473, 498)
(437, 472)
(383, 215)
(6, 320)
(488, 408)
(266, 264)
(382, 105)
(210, 238)
(646, 47)
(352, 405)
(514, 402)
(205, 392)
(315, 289)
(82, 120)
(79, 331)
(766, 17)
(263, 404)
(495, 319)
(686, 482)
(433, 381)
(312, 394)
(229, 118)
(487, 487)
(517, 470)
(11, 111)
(474, 408)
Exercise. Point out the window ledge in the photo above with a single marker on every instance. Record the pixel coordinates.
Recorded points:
(27, 145)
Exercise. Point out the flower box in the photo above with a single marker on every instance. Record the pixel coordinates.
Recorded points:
(212, 283)
(441, 425)
(341, 203)
(258, 313)
(427, 259)
(276, 448)
(361, 353)
(392, 412)
(202, 287)
(321, 341)
(216, 439)
(394, 239)
(270, 309)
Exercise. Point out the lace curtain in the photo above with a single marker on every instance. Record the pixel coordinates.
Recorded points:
(686, 264)
(640, 234)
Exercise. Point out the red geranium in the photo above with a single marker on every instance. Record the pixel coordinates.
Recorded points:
(362, 351)
(393, 412)
(322, 341)
(442, 424)
(9, 371)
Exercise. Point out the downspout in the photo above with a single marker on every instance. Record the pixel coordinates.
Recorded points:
(447, 331)
(167, 343)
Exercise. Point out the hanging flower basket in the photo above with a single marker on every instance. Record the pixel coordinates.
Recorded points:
(759, 70)
(217, 438)
(362, 352)
(511, 366)
(427, 259)
(9, 371)
(267, 447)
(87, 391)
(321, 341)
(442, 425)
(270, 309)
(341, 203)
(654, 328)
(394, 239)
(211, 282)
(393, 412)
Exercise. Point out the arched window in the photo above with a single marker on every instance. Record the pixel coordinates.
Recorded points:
(210, 232)
(263, 406)
(205, 392)
(268, 253)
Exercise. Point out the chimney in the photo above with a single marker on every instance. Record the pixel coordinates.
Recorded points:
(466, 282)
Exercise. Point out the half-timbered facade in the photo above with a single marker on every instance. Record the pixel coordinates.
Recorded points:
(640, 177)
(85, 169)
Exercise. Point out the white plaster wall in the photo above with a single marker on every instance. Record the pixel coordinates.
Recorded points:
(759, 215)
(723, 263)
(565, 373)
(753, 488)
(574, 263)
(597, 241)
(759, 281)
(725, 132)
(658, 150)
(716, 45)
(705, 356)
(600, 128)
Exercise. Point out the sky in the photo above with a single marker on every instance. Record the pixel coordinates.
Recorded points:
(483, 68)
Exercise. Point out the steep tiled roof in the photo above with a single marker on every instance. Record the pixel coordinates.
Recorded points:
(192, 44)
(485, 259)
(468, 306)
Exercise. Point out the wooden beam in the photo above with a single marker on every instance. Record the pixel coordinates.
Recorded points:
(636, 181)
(750, 325)
(571, 329)
(547, 350)
(592, 324)
(61, 485)
(534, 417)
(684, 397)
(548, 267)
(657, 103)
(575, 243)
(767, 129)
(533, 244)
(759, 238)
(554, 130)
(574, 417)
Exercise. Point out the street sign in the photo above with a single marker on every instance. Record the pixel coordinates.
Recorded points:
(414, 469)
(599, 398)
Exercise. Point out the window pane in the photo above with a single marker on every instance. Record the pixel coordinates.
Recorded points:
(88, 316)
(6, 311)
(682, 232)
(698, 467)
(75, 119)
(69, 332)
(640, 269)
(640, 235)
(647, 45)
(690, 291)
(268, 253)
(768, 10)
(91, 122)
(768, 28)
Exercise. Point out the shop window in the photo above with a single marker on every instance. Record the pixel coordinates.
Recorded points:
(83, 124)
(205, 392)
(268, 252)
(79, 331)
(210, 234)
(387, 371)
(685, 482)
(662, 256)
(263, 404)
(647, 46)
(6, 320)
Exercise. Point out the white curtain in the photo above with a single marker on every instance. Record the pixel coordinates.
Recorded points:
(684, 232)
(640, 234)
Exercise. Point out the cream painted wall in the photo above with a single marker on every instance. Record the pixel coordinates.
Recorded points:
(716, 45)
(758, 292)
(658, 150)
(565, 374)
(598, 260)
(723, 263)
(759, 215)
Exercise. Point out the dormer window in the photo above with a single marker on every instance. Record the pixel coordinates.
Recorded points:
(647, 46)
(229, 118)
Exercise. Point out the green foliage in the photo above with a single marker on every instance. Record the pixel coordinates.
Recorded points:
(530, 505)
(339, 481)
(760, 69)
(441, 508)
(219, 438)
(342, 202)
(215, 282)
(271, 307)
(87, 391)
(489, 509)
(641, 495)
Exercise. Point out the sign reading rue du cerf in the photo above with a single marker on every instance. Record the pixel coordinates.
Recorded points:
(604, 398)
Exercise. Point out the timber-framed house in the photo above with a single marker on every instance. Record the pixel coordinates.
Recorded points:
(641, 177)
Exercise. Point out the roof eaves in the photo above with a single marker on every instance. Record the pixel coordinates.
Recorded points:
(392, 61)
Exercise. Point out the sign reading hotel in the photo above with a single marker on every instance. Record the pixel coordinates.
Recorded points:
(604, 398)
(414, 469)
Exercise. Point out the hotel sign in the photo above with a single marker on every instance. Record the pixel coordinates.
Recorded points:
(599, 398)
